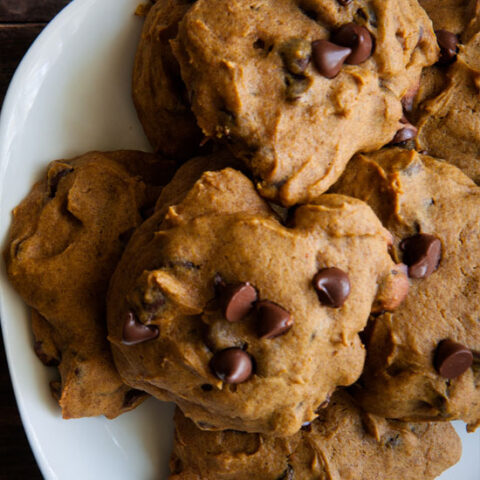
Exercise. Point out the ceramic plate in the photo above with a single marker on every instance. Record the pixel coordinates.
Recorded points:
(71, 94)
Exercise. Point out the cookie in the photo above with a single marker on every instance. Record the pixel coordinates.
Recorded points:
(343, 443)
(159, 94)
(65, 240)
(448, 125)
(423, 360)
(452, 15)
(244, 322)
(296, 87)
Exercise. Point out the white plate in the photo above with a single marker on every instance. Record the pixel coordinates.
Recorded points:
(71, 94)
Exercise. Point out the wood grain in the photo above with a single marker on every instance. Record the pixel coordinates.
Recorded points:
(16, 458)
(38, 11)
(14, 41)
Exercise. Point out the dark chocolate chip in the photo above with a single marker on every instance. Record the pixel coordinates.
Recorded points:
(332, 286)
(272, 320)
(296, 54)
(358, 39)
(328, 57)
(232, 365)
(452, 359)
(344, 3)
(136, 332)
(296, 86)
(409, 132)
(206, 387)
(238, 300)
(422, 254)
(448, 43)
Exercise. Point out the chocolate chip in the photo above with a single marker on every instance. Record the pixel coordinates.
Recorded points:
(448, 43)
(238, 300)
(409, 132)
(332, 286)
(328, 57)
(358, 39)
(272, 320)
(452, 359)
(296, 86)
(136, 332)
(206, 387)
(296, 55)
(344, 3)
(422, 254)
(232, 365)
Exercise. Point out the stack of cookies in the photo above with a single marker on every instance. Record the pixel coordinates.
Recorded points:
(297, 265)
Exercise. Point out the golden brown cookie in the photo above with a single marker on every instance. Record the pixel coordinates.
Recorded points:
(159, 94)
(242, 321)
(343, 443)
(448, 124)
(452, 15)
(65, 240)
(278, 81)
(423, 360)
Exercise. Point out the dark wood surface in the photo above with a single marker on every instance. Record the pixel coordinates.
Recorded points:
(20, 23)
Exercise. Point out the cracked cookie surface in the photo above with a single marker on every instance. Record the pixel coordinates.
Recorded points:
(65, 240)
(253, 71)
(243, 322)
(423, 359)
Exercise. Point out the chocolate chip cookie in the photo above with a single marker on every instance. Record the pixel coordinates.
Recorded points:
(65, 240)
(296, 87)
(159, 94)
(244, 322)
(448, 125)
(423, 360)
(343, 443)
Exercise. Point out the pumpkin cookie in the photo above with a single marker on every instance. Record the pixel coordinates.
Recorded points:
(242, 321)
(296, 87)
(159, 94)
(343, 443)
(448, 124)
(65, 240)
(423, 360)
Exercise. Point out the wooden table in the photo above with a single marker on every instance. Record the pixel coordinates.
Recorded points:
(20, 23)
